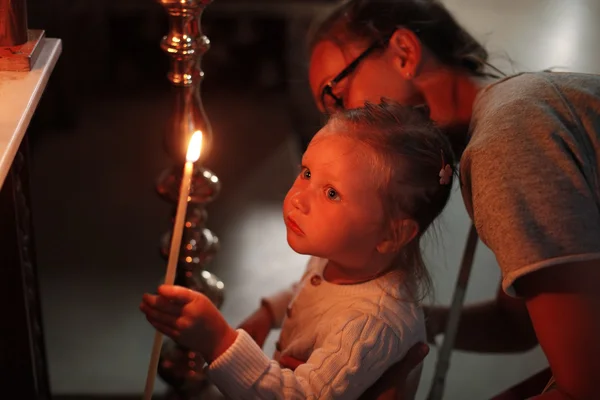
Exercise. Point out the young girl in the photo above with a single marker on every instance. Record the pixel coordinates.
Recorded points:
(372, 181)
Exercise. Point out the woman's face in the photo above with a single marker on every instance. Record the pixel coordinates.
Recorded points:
(375, 77)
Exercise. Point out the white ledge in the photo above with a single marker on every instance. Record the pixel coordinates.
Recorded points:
(20, 93)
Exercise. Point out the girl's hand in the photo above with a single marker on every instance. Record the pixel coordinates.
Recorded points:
(189, 318)
(258, 325)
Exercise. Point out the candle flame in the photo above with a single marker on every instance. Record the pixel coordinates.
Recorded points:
(195, 147)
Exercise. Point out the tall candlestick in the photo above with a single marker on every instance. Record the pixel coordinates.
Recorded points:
(193, 153)
(185, 44)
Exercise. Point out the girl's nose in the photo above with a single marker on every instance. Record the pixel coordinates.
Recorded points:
(300, 201)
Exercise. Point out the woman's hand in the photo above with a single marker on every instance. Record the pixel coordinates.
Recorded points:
(436, 319)
(258, 325)
(189, 318)
(396, 383)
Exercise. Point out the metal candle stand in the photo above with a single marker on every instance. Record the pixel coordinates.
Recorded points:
(185, 44)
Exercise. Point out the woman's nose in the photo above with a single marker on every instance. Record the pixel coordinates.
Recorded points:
(300, 201)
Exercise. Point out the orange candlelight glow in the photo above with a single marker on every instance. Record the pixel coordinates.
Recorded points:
(195, 147)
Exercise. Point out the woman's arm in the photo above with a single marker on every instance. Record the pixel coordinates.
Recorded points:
(564, 305)
(530, 183)
(501, 325)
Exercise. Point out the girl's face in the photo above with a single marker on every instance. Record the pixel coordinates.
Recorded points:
(375, 77)
(333, 209)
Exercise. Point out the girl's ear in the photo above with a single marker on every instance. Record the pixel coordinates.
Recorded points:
(407, 51)
(402, 232)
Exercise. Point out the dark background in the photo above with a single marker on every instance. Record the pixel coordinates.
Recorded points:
(97, 152)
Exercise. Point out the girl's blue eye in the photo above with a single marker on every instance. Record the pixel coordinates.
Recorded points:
(332, 194)
(305, 173)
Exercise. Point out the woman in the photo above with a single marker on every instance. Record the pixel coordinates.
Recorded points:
(530, 147)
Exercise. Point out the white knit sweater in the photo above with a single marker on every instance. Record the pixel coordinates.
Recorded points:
(347, 336)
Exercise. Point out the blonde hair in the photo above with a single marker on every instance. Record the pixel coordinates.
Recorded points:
(410, 152)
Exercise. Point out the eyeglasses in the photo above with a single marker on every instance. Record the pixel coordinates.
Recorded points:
(337, 102)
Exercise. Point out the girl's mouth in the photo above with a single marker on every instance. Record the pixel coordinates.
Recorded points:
(290, 223)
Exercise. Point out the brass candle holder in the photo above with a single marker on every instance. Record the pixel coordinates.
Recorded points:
(185, 44)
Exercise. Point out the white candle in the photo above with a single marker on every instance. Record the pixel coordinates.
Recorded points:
(193, 153)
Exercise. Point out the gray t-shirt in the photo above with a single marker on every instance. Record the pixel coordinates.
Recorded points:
(530, 174)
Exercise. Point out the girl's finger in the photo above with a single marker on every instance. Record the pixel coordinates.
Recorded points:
(164, 329)
(154, 315)
(162, 304)
(177, 294)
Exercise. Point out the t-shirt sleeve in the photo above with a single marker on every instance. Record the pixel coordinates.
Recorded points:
(530, 182)
(350, 360)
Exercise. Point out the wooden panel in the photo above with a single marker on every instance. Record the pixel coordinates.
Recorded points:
(23, 367)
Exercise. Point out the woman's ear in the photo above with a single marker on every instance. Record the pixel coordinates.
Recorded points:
(407, 51)
(403, 231)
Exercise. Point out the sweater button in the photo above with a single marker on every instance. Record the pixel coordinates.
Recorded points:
(315, 280)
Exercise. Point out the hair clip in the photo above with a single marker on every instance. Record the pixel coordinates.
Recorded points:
(445, 175)
(445, 172)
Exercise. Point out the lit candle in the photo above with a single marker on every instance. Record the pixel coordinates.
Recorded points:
(193, 153)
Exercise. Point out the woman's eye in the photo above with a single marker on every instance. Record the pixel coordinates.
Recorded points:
(305, 173)
(332, 194)
(333, 105)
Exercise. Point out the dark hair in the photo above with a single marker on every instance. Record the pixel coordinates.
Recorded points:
(429, 19)
(410, 151)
